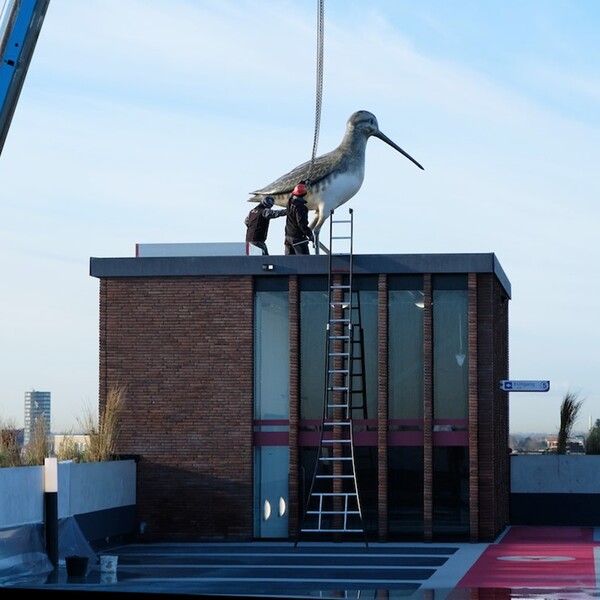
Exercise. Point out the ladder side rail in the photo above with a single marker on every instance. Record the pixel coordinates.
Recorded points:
(351, 284)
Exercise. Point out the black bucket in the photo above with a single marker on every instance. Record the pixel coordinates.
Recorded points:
(76, 565)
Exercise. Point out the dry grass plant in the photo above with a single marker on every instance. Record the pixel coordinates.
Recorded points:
(569, 411)
(104, 432)
(10, 452)
(39, 444)
(69, 449)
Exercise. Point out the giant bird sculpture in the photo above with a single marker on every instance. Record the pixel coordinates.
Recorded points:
(334, 177)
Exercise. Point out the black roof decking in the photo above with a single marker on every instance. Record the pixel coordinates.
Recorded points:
(280, 265)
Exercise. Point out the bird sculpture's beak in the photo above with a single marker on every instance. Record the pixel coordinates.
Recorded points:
(387, 140)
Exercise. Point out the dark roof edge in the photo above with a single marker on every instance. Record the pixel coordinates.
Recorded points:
(194, 266)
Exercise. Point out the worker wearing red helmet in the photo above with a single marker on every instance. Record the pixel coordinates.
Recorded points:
(297, 232)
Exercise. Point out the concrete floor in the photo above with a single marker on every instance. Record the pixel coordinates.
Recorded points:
(526, 562)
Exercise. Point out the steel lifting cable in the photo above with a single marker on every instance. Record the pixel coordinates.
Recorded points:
(319, 94)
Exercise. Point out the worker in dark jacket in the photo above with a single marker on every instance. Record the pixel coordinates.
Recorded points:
(297, 231)
(257, 222)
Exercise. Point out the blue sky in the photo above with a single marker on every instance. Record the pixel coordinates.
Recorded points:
(146, 121)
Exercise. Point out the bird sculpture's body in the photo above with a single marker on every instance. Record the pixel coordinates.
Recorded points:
(334, 177)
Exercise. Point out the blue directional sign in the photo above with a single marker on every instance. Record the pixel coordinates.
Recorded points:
(512, 385)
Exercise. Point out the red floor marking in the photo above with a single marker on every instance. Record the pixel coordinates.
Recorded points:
(536, 557)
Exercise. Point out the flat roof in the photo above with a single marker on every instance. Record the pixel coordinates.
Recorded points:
(274, 265)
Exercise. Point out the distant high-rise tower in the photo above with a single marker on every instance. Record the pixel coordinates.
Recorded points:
(37, 406)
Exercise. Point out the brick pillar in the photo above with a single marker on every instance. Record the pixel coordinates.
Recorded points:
(382, 409)
(473, 410)
(427, 409)
(294, 488)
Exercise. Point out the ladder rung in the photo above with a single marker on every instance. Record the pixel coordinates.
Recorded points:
(334, 476)
(336, 494)
(334, 423)
(332, 512)
(344, 441)
(332, 530)
(335, 458)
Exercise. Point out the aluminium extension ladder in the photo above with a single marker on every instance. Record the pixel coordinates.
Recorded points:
(333, 505)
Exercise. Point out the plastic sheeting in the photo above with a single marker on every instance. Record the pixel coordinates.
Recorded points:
(72, 542)
(23, 557)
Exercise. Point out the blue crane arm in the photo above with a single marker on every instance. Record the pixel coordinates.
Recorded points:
(20, 25)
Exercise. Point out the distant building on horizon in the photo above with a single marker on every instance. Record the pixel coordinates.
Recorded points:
(37, 405)
(575, 444)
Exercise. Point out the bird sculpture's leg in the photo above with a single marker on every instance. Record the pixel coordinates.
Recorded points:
(316, 242)
(318, 245)
(315, 227)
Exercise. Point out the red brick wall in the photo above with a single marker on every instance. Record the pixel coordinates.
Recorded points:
(294, 487)
(427, 409)
(183, 349)
(492, 443)
(473, 401)
(382, 409)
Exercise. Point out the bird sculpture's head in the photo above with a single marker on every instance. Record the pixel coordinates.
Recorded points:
(365, 123)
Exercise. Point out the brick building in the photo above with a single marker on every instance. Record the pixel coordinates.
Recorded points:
(222, 358)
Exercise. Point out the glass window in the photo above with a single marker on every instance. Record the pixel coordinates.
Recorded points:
(405, 495)
(364, 367)
(450, 491)
(365, 464)
(271, 355)
(314, 315)
(450, 354)
(405, 348)
(313, 331)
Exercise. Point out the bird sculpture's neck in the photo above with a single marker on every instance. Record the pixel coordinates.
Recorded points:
(353, 146)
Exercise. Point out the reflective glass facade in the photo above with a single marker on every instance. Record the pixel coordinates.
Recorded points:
(404, 305)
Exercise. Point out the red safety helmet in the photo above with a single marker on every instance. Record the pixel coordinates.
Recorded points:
(300, 190)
